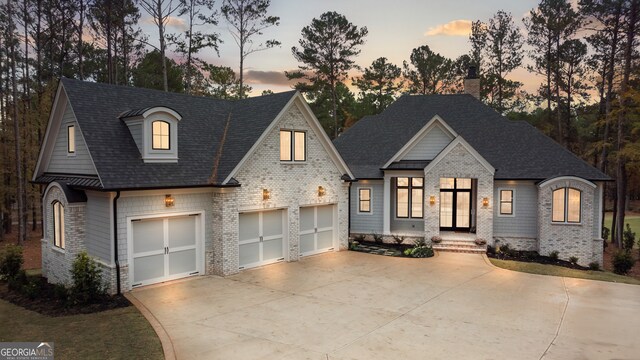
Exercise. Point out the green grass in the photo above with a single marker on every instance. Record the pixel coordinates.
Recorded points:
(114, 334)
(553, 270)
(632, 220)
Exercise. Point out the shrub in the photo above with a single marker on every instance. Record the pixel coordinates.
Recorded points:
(628, 238)
(422, 252)
(359, 238)
(436, 239)
(622, 262)
(87, 280)
(554, 255)
(505, 248)
(605, 233)
(573, 260)
(10, 261)
(32, 288)
(481, 241)
(419, 242)
(378, 238)
(594, 266)
(17, 281)
(398, 239)
(491, 250)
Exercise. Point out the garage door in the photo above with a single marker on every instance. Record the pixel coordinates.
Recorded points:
(164, 249)
(316, 229)
(261, 238)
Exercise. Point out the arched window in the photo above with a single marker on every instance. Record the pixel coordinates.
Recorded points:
(58, 224)
(566, 206)
(160, 135)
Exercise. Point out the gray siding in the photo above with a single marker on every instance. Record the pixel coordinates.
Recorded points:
(429, 146)
(136, 132)
(60, 162)
(367, 223)
(99, 226)
(524, 223)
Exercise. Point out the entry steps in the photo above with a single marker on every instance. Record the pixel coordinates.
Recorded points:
(460, 246)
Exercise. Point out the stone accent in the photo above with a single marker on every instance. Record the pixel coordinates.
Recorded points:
(569, 239)
(517, 243)
(459, 163)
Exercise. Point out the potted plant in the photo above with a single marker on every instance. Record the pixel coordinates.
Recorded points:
(436, 239)
(481, 242)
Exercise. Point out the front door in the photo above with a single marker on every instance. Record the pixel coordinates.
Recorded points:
(455, 204)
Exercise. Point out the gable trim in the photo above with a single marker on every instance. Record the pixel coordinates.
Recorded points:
(436, 120)
(566, 178)
(315, 125)
(460, 141)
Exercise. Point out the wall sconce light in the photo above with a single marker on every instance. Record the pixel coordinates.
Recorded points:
(169, 201)
(485, 202)
(266, 194)
(321, 191)
(432, 200)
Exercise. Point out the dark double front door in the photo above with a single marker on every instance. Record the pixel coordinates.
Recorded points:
(455, 204)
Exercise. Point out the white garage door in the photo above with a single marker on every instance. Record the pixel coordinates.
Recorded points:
(164, 249)
(261, 238)
(316, 229)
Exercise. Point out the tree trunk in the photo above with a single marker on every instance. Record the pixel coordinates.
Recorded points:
(165, 81)
(335, 108)
(80, 33)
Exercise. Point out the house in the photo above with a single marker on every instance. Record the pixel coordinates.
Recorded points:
(450, 166)
(158, 186)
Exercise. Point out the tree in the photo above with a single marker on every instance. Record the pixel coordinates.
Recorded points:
(223, 83)
(189, 43)
(327, 48)
(428, 72)
(161, 11)
(149, 74)
(379, 84)
(248, 19)
(573, 71)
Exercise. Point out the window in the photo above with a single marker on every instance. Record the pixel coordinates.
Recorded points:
(566, 206)
(364, 198)
(71, 139)
(293, 145)
(58, 224)
(409, 197)
(506, 202)
(160, 135)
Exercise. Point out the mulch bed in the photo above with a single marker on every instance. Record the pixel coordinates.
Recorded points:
(385, 249)
(533, 257)
(31, 249)
(611, 249)
(48, 302)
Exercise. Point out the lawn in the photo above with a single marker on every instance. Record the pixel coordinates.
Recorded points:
(632, 220)
(541, 269)
(114, 334)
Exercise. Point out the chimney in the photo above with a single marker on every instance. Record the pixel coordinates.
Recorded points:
(472, 83)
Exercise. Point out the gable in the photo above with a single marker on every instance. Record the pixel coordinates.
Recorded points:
(430, 145)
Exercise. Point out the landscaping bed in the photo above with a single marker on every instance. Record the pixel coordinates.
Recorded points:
(418, 249)
(530, 257)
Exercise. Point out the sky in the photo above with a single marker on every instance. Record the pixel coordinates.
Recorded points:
(395, 28)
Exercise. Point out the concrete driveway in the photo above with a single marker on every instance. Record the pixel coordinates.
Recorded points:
(350, 305)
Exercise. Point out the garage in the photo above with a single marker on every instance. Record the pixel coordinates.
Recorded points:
(316, 229)
(164, 248)
(261, 238)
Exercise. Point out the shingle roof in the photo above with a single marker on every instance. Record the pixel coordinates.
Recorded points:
(98, 107)
(514, 148)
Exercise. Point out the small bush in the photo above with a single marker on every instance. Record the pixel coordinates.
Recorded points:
(491, 250)
(10, 261)
(605, 233)
(87, 280)
(573, 260)
(554, 255)
(594, 266)
(628, 238)
(378, 238)
(359, 238)
(422, 252)
(505, 248)
(32, 288)
(419, 242)
(622, 262)
(398, 239)
(17, 281)
(436, 239)
(407, 252)
(481, 241)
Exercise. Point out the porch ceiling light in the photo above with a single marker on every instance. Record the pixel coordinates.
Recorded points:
(321, 191)
(432, 200)
(485, 202)
(266, 194)
(169, 201)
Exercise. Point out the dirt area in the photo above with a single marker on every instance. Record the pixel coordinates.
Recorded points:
(31, 250)
(608, 263)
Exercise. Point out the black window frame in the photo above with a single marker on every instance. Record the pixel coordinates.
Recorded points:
(506, 202)
(360, 200)
(58, 227)
(69, 128)
(410, 187)
(566, 206)
(292, 145)
(168, 135)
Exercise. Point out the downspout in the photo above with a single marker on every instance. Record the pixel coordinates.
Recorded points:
(349, 212)
(115, 240)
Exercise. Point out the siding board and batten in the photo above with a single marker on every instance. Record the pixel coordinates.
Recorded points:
(524, 222)
(429, 146)
(99, 226)
(60, 161)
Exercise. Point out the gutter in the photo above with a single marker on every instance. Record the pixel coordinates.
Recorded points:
(115, 240)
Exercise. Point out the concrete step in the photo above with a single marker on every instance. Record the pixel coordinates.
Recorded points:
(460, 246)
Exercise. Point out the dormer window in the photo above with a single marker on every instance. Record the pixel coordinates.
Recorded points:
(71, 139)
(160, 135)
(155, 132)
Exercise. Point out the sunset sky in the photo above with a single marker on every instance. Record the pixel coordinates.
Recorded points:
(395, 28)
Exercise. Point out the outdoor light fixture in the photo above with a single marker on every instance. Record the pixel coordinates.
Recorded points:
(321, 191)
(266, 194)
(432, 200)
(169, 201)
(485, 202)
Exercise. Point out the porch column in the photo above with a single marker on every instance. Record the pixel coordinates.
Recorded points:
(386, 221)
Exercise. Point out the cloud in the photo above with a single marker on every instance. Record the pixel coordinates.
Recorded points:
(172, 21)
(266, 77)
(452, 28)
